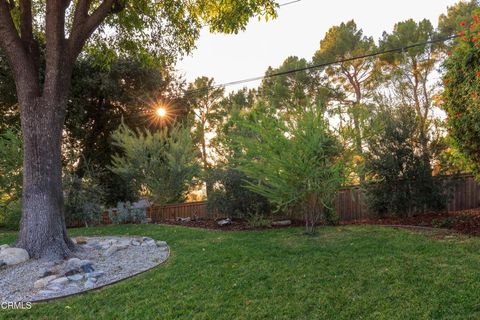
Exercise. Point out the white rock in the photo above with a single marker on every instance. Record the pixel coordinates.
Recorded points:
(114, 248)
(75, 277)
(42, 283)
(150, 243)
(4, 246)
(60, 281)
(135, 243)
(162, 244)
(224, 222)
(89, 284)
(11, 256)
(282, 223)
(96, 274)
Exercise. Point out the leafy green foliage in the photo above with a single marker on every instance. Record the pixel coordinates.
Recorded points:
(126, 213)
(10, 177)
(231, 198)
(102, 95)
(160, 165)
(402, 182)
(294, 163)
(287, 93)
(353, 83)
(449, 24)
(461, 95)
(411, 72)
(165, 30)
(84, 197)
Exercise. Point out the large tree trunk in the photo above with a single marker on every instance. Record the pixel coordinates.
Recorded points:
(42, 230)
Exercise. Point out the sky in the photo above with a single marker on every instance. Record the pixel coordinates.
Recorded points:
(297, 31)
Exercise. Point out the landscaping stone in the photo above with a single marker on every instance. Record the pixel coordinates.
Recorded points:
(96, 274)
(4, 246)
(41, 283)
(90, 268)
(86, 266)
(75, 277)
(282, 223)
(187, 219)
(12, 256)
(114, 248)
(60, 281)
(89, 284)
(80, 240)
(224, 222)
(162, 244)
(135, 243)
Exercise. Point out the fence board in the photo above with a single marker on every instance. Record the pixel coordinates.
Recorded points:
(463, 190)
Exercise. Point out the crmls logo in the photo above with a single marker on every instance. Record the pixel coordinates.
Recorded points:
(16, 305)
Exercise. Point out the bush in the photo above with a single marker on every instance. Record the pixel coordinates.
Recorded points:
(296, 163)
(159, 165)
(402, 182)
(84, 197)
(10, 215)
(125, 213)
(258, 220)
(231, 198)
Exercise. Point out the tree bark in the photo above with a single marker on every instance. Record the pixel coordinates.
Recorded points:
(42, 229)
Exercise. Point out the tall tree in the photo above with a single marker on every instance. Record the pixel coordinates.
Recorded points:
(284, 94)
(411, 71)
(167, 28)
(203, 100)
(354, 79)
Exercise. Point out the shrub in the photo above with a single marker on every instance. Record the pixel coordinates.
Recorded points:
(461, 95)
(160, 165)
(10, 215)
(83, 197)
(126, 213)
(258, 220)
(402, 182)
(231, 198)
(295, 162)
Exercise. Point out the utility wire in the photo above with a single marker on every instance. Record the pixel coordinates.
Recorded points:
(317, 66)
(323, 65)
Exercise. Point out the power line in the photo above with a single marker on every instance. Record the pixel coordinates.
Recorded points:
(323, 65)
(318, 66)
(288, 3)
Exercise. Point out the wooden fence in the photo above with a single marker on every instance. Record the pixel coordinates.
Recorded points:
(463, 192)
(182, 210)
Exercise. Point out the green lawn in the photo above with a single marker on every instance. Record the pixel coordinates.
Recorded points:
(343, 273)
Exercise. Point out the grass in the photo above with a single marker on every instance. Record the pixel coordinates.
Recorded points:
(355, 272)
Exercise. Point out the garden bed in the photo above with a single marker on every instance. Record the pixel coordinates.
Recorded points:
(236, 225)
(466, 221)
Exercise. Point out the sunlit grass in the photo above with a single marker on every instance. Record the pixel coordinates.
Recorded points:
(342, 273)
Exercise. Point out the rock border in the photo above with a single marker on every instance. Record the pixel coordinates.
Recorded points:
(46, 300)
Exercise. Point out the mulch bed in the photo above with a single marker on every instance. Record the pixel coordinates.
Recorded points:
(236, 225)
(467, 222)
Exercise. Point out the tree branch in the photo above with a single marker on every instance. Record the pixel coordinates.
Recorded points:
(26, 30)
(87, 24)
(20, 60)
